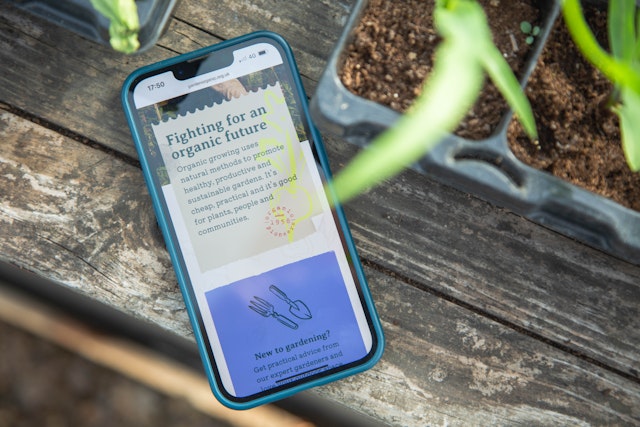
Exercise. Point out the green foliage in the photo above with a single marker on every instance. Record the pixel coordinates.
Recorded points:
(621, 67)
(124, 23)
(465, 54)
(531, 31)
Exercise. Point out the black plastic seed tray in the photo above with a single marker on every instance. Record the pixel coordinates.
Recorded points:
(486, 168)
(80, 17)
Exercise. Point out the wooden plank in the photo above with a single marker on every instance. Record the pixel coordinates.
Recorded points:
(85, 219)
(52, 73)
(447, 366)
(574, 296)
(311, 27)
(439, 238)
(81, 217)
(503, 265)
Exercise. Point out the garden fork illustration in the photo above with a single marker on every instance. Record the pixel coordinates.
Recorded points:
(265, 308)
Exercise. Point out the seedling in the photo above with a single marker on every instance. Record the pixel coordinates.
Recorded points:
(465, 53)
(530, 31)
(621, 67)
(124, 23)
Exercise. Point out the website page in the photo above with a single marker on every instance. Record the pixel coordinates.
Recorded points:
(258, 238)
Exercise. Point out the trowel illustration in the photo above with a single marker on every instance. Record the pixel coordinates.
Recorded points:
(297, 308)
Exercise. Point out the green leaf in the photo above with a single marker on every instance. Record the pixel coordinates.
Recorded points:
(629, 111)
(622, 31)
(449, 92)
(622, 68)
(124, 23)
(502, 76)
(636, 53)
(620, 73)
(525, 27)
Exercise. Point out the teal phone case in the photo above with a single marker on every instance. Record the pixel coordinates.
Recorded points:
(172, 247)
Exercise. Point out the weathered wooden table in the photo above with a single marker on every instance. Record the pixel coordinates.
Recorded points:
(490, 319)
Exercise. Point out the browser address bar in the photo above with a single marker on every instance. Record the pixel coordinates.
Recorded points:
(165, 86)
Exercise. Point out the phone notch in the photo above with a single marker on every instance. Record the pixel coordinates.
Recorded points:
(202, 65)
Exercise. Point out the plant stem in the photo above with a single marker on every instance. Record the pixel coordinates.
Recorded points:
(449, 93)
(616, 71)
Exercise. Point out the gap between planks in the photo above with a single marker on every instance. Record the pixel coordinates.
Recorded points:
(68, 133)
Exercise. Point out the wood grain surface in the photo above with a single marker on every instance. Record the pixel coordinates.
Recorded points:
(490, 319)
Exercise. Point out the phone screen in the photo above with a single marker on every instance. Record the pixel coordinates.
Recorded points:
(230, 157)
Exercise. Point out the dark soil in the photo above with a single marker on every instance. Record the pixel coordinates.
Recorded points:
(392, 54)
(393, 47)
(579, 138)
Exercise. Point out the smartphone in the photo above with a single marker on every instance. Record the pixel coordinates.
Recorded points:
(241, 188)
